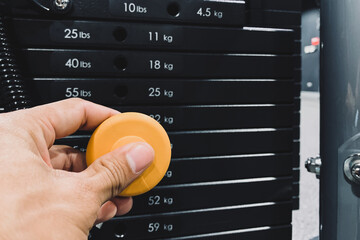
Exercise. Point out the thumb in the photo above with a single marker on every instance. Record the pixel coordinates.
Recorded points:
(114, 171)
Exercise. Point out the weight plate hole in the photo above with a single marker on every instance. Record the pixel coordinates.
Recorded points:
(120, 34)
(173, 9)
(121, 91)
(120, 63)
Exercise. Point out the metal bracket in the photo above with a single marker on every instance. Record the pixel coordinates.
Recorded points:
(313, 165)
(352, 168)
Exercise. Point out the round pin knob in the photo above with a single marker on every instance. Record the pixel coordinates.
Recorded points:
(126, 128)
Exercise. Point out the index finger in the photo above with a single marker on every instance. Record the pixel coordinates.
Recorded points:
(43, 124)
(63, 118)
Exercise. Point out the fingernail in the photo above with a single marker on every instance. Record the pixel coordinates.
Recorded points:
(139, 157)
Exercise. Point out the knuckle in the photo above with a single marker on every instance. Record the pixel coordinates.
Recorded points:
(114, 172)
(76, 100)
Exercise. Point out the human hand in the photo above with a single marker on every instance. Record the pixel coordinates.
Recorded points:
(46, 191)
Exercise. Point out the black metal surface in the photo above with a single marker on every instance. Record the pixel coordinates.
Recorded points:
(294, 5)
(193, 196)
(220, 168)
(296, 160)
(125, 91)
(274, 18)
(212, 12)
(196, 117)
(87, 34)
(218, 142)
(278, 232)
(223, 142)
(198, 222)
(260, 12)
(95, 63)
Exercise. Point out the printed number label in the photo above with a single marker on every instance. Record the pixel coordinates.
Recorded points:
(206, 13)
(154, 200)
(76, 92)
(155, 64)
(76, 34)
(72, 92)
(71, 33)
(72, 63)
(154, 36)
(157, 117)
(154, 92)
(132, 8)
(76, 63)
(153, 227)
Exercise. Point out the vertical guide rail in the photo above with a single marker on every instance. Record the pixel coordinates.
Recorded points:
(12, 87)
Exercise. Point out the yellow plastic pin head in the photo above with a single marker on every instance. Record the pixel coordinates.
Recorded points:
(125, 128)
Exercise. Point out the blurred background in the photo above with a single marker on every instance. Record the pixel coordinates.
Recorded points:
(306, 220)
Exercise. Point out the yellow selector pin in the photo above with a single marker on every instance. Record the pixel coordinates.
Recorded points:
(125, 128)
